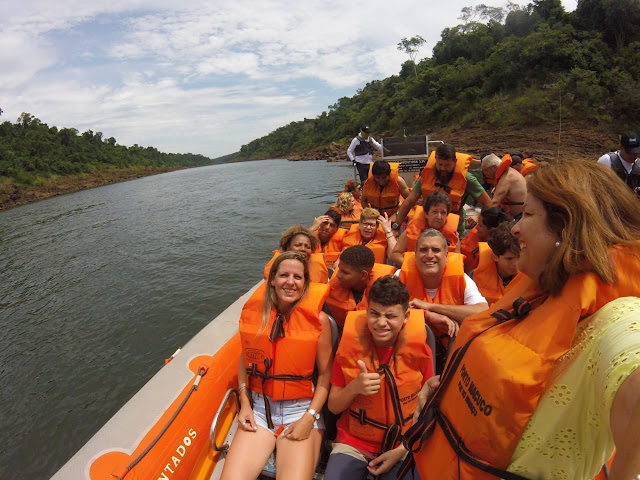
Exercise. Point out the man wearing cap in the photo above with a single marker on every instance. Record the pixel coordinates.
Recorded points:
(360, 152)
(625, 161)
(516, 161)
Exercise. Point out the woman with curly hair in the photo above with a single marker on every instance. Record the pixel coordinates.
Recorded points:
(301, 239)
(345, 206)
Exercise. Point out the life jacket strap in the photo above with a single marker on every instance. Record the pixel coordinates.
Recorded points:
(420, 431)
(253, 371)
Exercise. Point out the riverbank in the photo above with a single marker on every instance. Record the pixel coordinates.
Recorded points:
(543, 143)
(13, 194)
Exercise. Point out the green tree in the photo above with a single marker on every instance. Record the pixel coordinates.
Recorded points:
(618, 20)
(411, 47)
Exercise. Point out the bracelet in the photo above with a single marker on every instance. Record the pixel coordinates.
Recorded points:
(243, 386)
(387, 232)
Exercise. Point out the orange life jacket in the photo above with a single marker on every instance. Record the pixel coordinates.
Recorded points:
(452, 285)
(503, 357)
(503, 167)
(341, 301)
(282, 369)
(378, 244)
(318, 272)
(486, 275)
(469, 248)
(353, 215)
(456, 186)
(333, 247)
(419, 224)
(529, 167)
(385, 200)
(383, 418)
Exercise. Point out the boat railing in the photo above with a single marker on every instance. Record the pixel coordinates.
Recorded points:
(223, 409)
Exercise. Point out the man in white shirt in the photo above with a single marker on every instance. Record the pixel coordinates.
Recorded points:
(625, 161)
(360, 152)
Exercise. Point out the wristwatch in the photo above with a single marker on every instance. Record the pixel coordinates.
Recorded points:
(313, 413)
(395, 226)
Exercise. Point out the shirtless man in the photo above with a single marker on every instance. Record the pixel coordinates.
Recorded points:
(510, 189)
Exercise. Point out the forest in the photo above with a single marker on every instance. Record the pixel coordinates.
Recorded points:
(37, 161)
(514, 67)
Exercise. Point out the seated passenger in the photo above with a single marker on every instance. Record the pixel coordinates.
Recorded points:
(355, 274)
(497, 264)
(384, 187)
(301, 239)
(355, 189)
(489, 219)
(282, 321)
(330, 235)
(435, 213)
(345, 206)
(438, 285)
(510, 187)
(369, 232)
(390, 339)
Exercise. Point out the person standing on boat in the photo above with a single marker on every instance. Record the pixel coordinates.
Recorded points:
(284, 336)
(381, 363)
(360, 152)
(447, 171)
(565, 358)
(510, 187)
(625, 161)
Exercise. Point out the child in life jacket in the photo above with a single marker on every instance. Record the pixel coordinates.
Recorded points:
(380, 366)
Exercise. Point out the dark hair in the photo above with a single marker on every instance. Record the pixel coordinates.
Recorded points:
(502, 241)
(335, 216)
(380, 167)
(358, 256)
(494, 216)
(288, 234)
(437, 198)
(389, 290)
(446, 152)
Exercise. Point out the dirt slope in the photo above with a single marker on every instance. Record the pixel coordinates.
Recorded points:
(540, 143)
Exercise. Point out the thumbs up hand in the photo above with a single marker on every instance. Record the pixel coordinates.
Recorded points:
(366, 383)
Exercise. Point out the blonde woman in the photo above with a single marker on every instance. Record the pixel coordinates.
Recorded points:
(284, 336)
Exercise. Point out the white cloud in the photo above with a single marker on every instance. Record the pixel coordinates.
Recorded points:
(201, 76)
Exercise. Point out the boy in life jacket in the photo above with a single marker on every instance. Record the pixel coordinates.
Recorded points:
(383, 188)
(380, 365)
(351, 281)
(489, 219)
(326, 227)
(435, 213)
(498, 263)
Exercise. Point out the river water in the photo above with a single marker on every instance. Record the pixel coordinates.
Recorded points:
(98, 287)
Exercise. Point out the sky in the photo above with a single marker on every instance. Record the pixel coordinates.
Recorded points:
(202, 76)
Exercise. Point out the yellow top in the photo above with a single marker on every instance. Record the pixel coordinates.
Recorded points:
(568, 435)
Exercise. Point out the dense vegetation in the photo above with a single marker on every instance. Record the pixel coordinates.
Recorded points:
(518, 66)
(31, 151)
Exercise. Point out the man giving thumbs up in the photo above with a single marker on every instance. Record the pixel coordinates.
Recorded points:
(380, 366)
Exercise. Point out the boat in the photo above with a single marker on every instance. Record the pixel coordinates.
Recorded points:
(164, 431)
(181, 423)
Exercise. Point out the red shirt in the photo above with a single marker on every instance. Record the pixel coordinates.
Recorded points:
(368, 449)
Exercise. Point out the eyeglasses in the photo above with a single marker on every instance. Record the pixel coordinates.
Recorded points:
(358, 187)
(369, 226)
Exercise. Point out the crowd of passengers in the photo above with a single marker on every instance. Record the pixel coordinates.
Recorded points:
(397, 327)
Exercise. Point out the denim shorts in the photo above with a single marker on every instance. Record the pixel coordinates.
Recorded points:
(283, 412)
